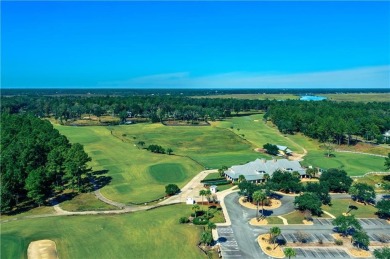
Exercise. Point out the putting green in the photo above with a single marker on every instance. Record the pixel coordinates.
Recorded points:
(168, 173)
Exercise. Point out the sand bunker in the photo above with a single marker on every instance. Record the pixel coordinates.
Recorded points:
(42, 249)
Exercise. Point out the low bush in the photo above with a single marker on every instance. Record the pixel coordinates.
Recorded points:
(183, 220)
(213, 180)
(200, 221)
(338, 242)
(268, 248)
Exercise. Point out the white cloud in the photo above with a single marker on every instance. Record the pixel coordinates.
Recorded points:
(366, 77)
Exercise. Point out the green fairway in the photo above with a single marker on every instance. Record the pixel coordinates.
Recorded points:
(127, 165)
(149, 234)
(353, 164)
(340, 206)
(139, 175)
(168, 173)
(257, 132)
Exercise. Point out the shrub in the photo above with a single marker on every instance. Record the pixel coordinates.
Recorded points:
(171, 189)
(183, 220)
(200, 221)
(338, 242)
(268, 248)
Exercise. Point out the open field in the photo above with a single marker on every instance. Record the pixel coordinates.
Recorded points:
(29, 212)
(148, 234)
(340, 206)
(349, 97)
(365, 97)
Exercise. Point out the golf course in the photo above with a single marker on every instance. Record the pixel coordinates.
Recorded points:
(138, 175)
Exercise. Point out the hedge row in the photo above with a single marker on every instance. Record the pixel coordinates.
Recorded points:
(212, 180)
(218, 183)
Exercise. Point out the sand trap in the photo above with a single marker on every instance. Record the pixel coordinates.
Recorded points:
(42, 249)
(274, 204)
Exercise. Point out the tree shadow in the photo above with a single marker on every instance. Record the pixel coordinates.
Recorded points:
(266, 213)
(100, 179)
(222, 239)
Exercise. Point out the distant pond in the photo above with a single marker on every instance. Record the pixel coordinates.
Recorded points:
(312, 98)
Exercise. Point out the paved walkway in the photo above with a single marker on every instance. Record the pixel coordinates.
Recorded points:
(191, 189)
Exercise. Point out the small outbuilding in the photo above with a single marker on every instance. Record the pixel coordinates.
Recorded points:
(213, 188)
(190, 201)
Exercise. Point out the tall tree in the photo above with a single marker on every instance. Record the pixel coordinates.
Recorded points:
(35, 186)
(387, 162)
(274, 233)
(76, 164)
(363, 192)
(259, 196)
(361, 239)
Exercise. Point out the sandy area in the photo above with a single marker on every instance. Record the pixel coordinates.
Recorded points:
(359, 252)
(274, 204)
(350, 248)
(255, 222)
(42, 249)
(277, 252)
(306, 222)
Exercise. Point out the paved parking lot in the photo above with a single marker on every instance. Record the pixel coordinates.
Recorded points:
(312, 238)
(321, 253)
(379, 237)
(363, 222)
(228, 244)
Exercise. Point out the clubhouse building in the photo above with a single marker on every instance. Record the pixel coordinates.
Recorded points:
(254, 171)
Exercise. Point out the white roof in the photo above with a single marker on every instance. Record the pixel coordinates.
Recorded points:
(255, 170)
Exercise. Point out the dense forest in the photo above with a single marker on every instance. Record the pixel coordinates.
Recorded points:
(36, 161)
(329, 121)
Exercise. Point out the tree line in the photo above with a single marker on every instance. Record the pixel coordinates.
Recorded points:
(36, 161)
(330, 121)
(338, 122)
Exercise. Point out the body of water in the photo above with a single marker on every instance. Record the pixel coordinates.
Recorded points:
(312, 98)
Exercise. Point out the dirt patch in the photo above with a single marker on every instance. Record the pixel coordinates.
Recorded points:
(303, 180)
(264, 244)
(255, 222)
(274, 204)
(42, 249)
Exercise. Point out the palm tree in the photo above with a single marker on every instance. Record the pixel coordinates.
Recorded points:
(289, 252)
(202, 193)
(266, 177)
(274, 232)
(296, 174)
(257, 197)
(241, 178)
(195, 208)
(211, 225)
(207, 194)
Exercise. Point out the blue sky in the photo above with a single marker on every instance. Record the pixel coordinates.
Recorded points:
(195, 44)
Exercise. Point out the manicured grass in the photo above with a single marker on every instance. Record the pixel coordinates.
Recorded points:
(85, 202)
(353, 164)
(221, 188)
(340, 206)
(295, 217)
(151, 234)
(127, 165)
(218, 214)
(31, 212)
(257, 132)
(168, 173)
(274, 220)
(212, 176)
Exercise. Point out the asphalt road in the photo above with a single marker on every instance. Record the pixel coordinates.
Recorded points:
(240, 239)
